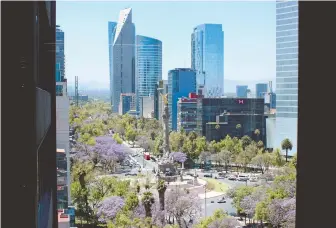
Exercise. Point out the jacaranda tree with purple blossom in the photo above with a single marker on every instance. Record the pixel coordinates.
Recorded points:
(282, 212)
(109, 208)
(179, 156)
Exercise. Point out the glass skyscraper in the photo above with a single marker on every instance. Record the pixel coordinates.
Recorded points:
(286, 72)
(60, 58)
(241, 91)
(261, 89)
(122, 57)
(148, 66)
(207, 58)
(181, 82)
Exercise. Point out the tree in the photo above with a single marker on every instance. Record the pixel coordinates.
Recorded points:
(192, 135)
(176, 140)
(117, 138)
(282, 212)
(143, 142)
(277, 158)
(109, 207)
(201, 145)
(257, 133)
(131, 135)
(161, 187)
(182, 206)
(293, 162)
(260, 145)
(131, 202)
(218, 215)
(204, 156)
(262, 161)
(179, 157)
(239, 127)
(246, 140)
(238, 194)
(286, 145)
(147, 200)
(226, 157)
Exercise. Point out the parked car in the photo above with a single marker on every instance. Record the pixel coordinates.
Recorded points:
(231, 177)
(208, 175)
(253, 179)
(130, 174)
(242, 178)
(222, 200)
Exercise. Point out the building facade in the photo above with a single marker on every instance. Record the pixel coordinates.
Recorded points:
(209, 108)
(261, 89)
(122, 57)
(187, 113)
(286, 72)
(148, 65)
(241, 91)
(226, 124)
(60, 57)
(181, 82)
(127, 103)
(207, 58)
(62, 127)
(147, 107)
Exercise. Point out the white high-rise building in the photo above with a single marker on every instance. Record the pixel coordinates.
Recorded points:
(286, 72)
(122, 57)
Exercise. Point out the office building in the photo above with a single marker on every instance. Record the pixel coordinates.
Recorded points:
(181, 82)
(122, 57)
(207, 58)
(246, 109)
(28, 70)
(60, 57)
(261, 89)
(62, 126)
(287, 72)
(127, 103)
(187, 113)
(148, 65)
(147, 107)
(226, 124)
(242, 91)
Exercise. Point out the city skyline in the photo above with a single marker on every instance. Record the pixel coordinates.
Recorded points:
(246, 33)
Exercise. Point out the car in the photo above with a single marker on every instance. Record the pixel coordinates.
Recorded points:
(253, 179)
(130, 174)
(232, 178)
(208, 175)
(242, 178)
(190, 174)
(222, 200)
(219, 177)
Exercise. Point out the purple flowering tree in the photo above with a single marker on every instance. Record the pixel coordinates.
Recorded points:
(182, 206)
(109, 208)
(249, 203)
(282, 212)
(179, 157)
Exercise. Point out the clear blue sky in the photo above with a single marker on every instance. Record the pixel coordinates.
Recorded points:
(249, 35)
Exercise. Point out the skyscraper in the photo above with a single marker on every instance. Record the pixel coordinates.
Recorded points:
(122, 57)
(148, 66)
(261, 89)
(62, 117)
(241, 91)
(181, 82)
(286, 72)
(60, 58)
(207, 58)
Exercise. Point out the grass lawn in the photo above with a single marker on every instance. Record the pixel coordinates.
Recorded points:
(216, 185)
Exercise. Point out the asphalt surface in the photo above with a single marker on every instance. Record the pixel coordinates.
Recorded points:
(212, 207)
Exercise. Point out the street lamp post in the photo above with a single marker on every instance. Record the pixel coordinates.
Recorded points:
(205, 201)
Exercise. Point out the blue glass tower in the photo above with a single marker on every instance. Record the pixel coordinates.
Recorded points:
(148, 66)
(241, 91)
(286, 72)
(261, 89)
(207, 58)
(60, 59)
(181, 82)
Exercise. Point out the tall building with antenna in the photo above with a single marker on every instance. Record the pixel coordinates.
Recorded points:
(122, 57)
